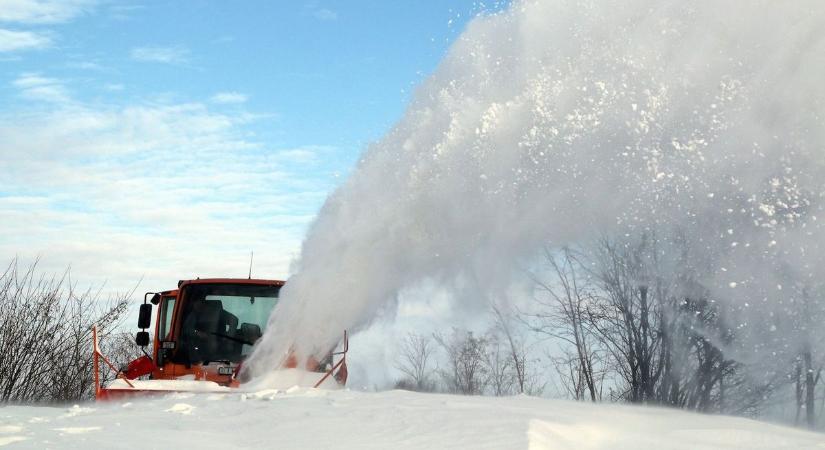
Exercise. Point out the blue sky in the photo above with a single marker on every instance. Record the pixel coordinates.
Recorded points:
(166, 139)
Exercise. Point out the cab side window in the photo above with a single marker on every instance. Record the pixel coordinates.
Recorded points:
(166, 317)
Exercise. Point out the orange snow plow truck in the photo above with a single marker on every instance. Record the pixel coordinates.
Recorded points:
(203, 331)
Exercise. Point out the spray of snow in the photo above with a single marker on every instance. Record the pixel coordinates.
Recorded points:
(554, 121)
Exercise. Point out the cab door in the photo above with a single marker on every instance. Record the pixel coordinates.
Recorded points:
(164, 344)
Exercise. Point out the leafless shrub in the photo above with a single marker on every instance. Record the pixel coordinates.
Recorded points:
(120, 349)
(499, 366)
(45, 335)
(466, 372)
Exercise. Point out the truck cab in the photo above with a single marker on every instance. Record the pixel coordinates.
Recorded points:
(207, 327)
(203, 331)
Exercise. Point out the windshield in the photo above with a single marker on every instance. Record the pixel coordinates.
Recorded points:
(221, 322)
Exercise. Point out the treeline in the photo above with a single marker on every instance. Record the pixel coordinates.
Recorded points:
(494, 363)
(46, 336)
(636, 320)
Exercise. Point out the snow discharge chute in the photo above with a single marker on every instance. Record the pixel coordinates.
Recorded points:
(555, 121)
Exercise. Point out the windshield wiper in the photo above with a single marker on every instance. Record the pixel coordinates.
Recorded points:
(231, 338)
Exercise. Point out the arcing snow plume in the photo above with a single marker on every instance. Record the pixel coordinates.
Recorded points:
(557, 120)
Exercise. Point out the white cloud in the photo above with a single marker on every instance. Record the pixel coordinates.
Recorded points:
(169, 55)
(36, 87)
(229, 97)
(43, 11)
(160, 191)
(325, 14)
(22, 40)
(36, 12)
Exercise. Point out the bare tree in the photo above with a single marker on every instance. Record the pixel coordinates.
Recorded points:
(564, 309)
(466, 372)
(414, 360)
(515, 349)
(571, 377)
(501, 371)
(627, 320)
(808, 372)
(524, 375)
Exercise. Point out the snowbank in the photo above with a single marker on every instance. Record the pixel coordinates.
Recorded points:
(300, 418)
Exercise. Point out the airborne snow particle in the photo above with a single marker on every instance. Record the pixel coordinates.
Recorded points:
(375, 236)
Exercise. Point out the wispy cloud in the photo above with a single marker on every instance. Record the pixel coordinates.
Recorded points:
(36, 12)
(169, 55)
(163, 191)
(325, 14)
(122, 11)
(11, 41)
(223, 39)
(43, 11)
(36, 87)
(85, 65)
(229, 97)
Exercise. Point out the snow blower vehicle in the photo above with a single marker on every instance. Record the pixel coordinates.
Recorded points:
(203, 331)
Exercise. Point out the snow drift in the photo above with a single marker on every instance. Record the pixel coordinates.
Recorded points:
(557, 120)
(311, 418)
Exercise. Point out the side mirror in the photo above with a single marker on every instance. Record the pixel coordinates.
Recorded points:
(142, 338)
(145, 316)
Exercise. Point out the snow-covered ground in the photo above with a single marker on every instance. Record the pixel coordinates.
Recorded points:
(301, 418)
